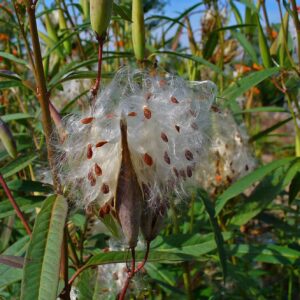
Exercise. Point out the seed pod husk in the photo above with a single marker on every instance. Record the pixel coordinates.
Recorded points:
(7, 139)
(100, 14)
(138, 30)
(128, 201)
(152, 222)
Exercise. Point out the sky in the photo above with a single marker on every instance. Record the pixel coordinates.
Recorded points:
(175, 7)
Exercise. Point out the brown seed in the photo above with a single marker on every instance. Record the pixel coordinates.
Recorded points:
(148, 96)
(174, 100)
(162, 83)
(194, 126)
(147, 113)
(91, 178)
(132, 114)
(89, 153)
(164, 137)
(148, 159)
(214, 108)
(176, 172)
(100, 144)
(87, 120)
(189, 155)
(193, 113)
(105, 188)
(101, 212)
(167, 158)
(177, 128)
(98, 170)
(182, 174)
(189, 171)
(106, 208)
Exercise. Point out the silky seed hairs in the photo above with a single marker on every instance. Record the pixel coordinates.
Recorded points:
(167, 123)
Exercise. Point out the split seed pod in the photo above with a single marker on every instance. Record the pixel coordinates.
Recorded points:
(129, 197)
(100, 14)
(118, 147)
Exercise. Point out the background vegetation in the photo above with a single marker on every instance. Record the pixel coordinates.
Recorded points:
(243, 229)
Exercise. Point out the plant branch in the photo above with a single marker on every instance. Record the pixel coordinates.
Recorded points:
(297, 25)
(14, 204)
(95, 88)
(41, 91)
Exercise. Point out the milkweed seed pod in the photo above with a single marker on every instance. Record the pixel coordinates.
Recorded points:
(229, 157)
(100, 14)
(145, 130)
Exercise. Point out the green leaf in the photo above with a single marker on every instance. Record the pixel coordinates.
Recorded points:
(166, 249)
(16, 117)
(26, 204)
(42, 261)
(7, 139)
(267, 253)
(268, 130)
(197, 59)
(294, 187)
(13, 58)
(29, 186)
(87, 284)
(8, 274)
(233, 27)
(248, 47)
(164, 277)
(265, 193)
(17, 165)
(239, 186)
(247, 82)
(10, 75)
(122, 11)
(263, 109)
(10, 84)
(210, 45)
(165, 18)
(217, 232)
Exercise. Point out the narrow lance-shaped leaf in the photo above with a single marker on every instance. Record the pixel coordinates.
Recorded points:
(7, 139)
(239, 186)
(217, 232)
(42, 261)
(263, 45)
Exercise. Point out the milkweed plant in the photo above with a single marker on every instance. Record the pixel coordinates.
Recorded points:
(137, 157)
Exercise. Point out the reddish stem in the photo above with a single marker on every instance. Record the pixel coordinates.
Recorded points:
(15, 205)
(132, 273)
(96, 86)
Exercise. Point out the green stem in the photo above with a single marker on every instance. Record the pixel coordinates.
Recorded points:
(187, 280)
(42, 93)
(297, 25)
(222, 44)
(285, 36)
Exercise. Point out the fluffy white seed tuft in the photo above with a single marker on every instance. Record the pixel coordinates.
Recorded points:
(167, 124)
